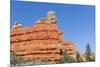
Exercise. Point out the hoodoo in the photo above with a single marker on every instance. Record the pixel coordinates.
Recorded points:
(40, 41)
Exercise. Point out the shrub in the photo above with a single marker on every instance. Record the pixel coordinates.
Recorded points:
(66, 59)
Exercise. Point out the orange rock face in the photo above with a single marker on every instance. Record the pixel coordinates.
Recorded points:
(69, 49)
(40, 41)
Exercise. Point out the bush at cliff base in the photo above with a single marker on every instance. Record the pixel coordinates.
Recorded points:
(66, 59)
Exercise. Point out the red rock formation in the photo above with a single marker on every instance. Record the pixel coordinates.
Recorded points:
(40, 41)
(69, 49)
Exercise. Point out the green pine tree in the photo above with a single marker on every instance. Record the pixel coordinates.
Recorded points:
(78, 56)
(88, 53)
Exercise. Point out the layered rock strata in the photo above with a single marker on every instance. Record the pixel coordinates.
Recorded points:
(40, 41)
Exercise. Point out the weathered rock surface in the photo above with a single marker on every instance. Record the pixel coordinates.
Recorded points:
(40, 41)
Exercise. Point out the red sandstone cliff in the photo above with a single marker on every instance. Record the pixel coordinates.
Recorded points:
(40, 41)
